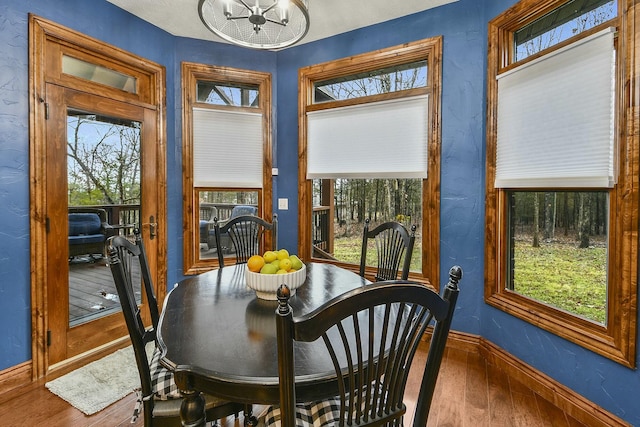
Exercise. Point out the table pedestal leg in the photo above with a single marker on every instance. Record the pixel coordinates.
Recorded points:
(192, 410)
(249, 419)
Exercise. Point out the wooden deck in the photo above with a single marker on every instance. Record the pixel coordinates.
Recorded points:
(92, 292)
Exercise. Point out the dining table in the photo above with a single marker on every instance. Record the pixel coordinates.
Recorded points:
(214, 328)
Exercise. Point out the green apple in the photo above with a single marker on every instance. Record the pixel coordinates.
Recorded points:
(296, 263)
(268, 269)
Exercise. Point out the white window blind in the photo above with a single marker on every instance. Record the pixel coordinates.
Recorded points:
(227, 149)
(556, 118)
(386, 139)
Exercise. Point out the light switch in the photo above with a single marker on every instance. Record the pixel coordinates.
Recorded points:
(283, 204)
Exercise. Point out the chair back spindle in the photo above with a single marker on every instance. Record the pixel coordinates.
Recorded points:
(157, 385)
(393, 243)
(124, 258)
(371, 334)
(246, 233)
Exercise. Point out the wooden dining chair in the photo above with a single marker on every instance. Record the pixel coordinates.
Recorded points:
(245, 233)
(392, 241)
(372, 334)
(159, 395)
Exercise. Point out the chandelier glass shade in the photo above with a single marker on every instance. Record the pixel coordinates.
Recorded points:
(258, 24)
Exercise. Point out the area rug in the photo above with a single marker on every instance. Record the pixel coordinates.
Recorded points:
(99, 384)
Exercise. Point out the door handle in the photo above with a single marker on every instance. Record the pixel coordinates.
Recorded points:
(153, 227)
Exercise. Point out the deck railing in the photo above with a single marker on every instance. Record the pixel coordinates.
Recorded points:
(123, 217)
(129, 215)
(221, 210)
(322, 229)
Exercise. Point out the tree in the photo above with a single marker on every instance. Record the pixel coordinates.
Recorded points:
(536, 219)
(584, 221)
(103, 160)
(549, 215)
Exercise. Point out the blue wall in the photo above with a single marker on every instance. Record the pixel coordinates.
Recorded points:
(462, 180)
(102, 21)
(463, 26)
(15, 303)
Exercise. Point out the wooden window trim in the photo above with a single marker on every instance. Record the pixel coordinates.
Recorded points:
(429, 49)
(191, 74)
(65, 45)
(616, 340)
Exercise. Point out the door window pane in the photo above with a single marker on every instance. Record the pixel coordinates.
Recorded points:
(98, 74)
(103, 181)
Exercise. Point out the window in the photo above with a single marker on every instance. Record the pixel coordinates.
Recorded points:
(380, 109)
(560, 24)
(558, 241)
(561, 220)
(227, 154)
(376, 82)
(98, 74)
(220, 94)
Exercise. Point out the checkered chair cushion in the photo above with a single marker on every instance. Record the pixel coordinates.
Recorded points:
(313, 414)
(162, 383)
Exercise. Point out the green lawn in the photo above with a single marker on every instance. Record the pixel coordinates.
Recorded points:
(565, 277)
(560, 275)
(348, 249)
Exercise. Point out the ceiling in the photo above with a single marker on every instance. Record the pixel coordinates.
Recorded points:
(328, 17)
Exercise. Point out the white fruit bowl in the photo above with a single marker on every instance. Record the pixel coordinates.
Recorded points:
(266, 285)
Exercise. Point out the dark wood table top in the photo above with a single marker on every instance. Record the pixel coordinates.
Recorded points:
(214, 324)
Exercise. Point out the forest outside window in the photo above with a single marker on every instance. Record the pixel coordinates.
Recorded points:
(227, 155)
(353, 114)
(557, 216)
(558, 245)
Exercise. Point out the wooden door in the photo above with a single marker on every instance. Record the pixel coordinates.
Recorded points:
(76, 116)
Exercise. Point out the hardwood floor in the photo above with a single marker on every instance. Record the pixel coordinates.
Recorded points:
(469, 393)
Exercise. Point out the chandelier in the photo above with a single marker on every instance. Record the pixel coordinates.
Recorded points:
(258, 24)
